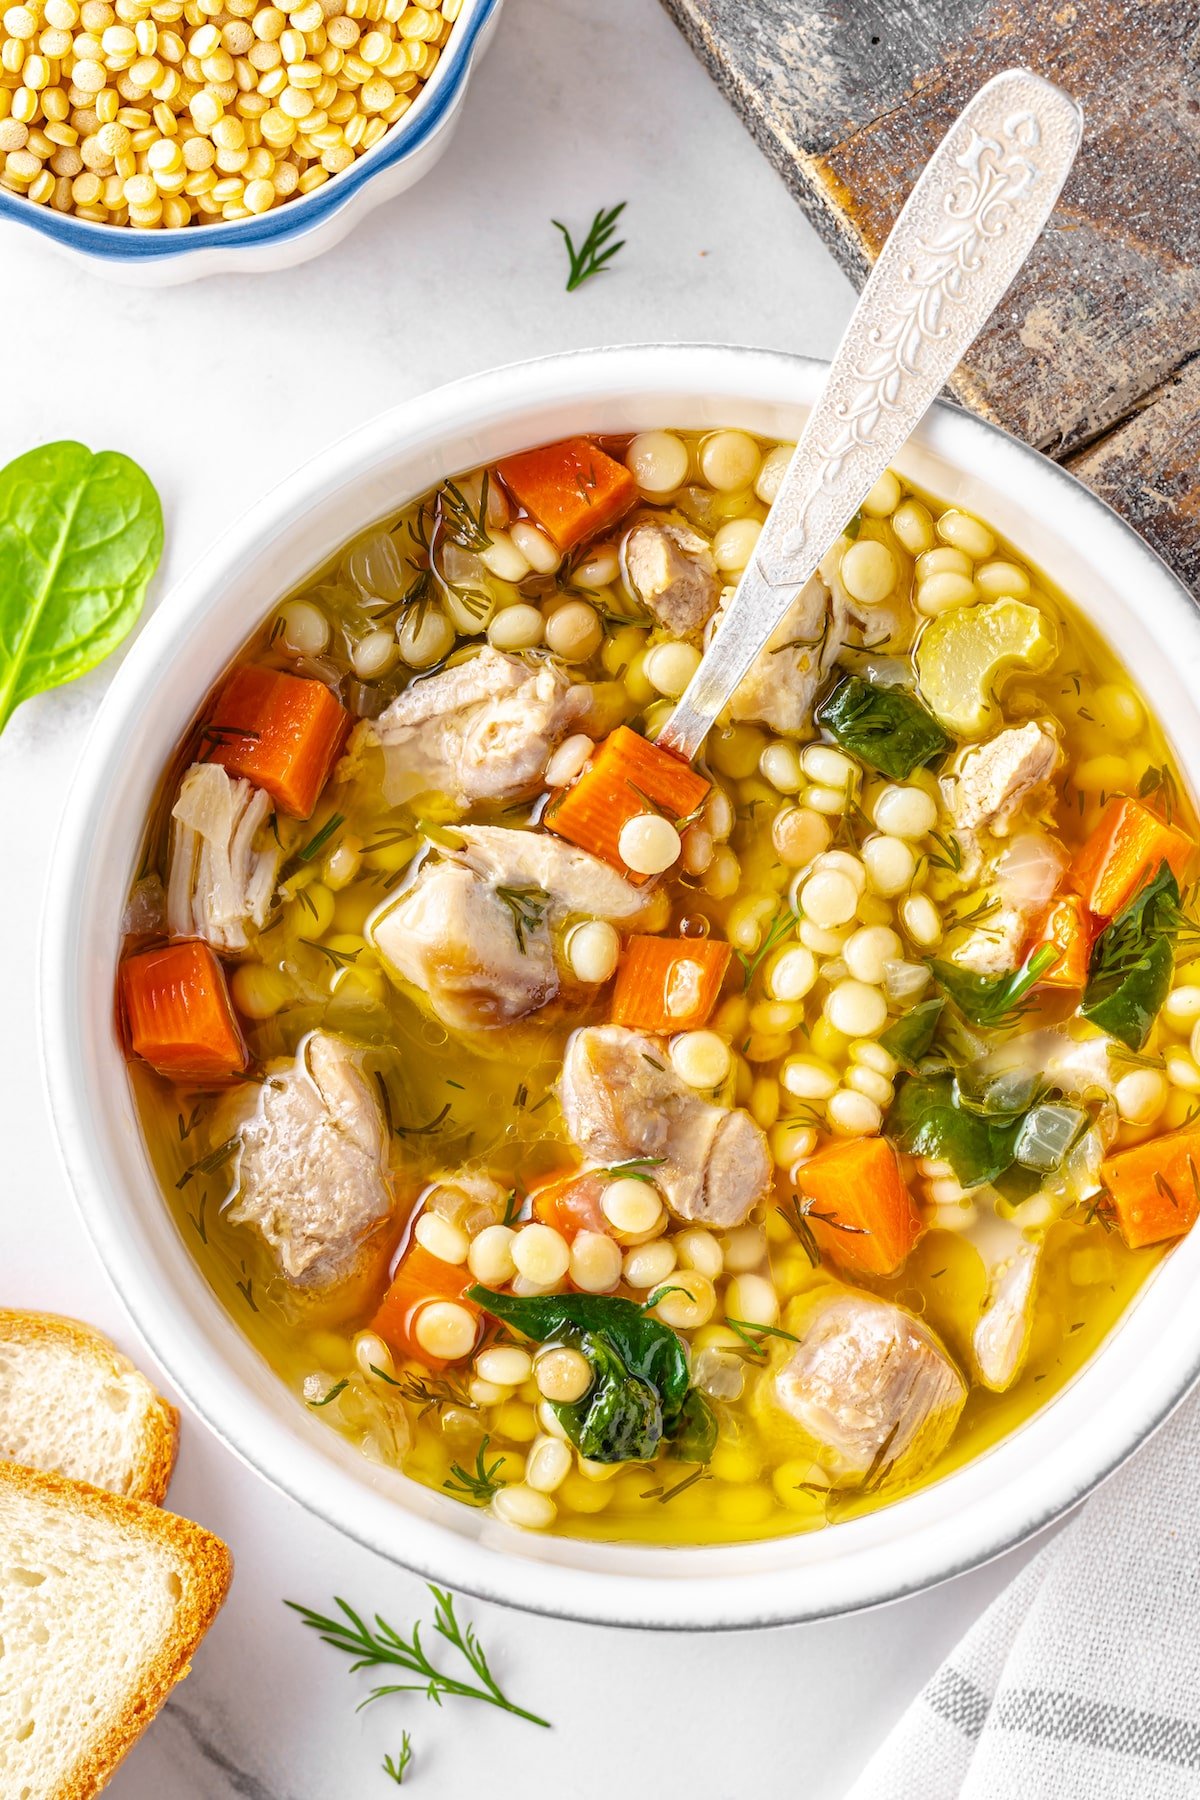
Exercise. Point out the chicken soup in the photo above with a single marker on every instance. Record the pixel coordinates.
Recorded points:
(658, 1152)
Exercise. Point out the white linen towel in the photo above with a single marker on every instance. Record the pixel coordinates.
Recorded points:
(1082, 1681)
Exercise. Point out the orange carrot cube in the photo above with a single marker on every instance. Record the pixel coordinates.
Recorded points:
(1155, 1188)
(1126, 849)
(179, 1014)
(627, 776)
(1069, 927)
(858, 1207)
(669, 984)
(571, 489)
(419, 1279)
(282, 732)
(571, 1204)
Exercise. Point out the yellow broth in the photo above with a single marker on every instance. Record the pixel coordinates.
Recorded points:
(487, 1100)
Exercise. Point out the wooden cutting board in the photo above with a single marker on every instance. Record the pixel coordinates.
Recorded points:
(1093, 355)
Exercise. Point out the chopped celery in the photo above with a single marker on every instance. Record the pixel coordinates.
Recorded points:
(964, 654)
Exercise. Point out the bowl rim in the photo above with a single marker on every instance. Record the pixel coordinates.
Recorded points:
(432, 109)
(1152, 1357)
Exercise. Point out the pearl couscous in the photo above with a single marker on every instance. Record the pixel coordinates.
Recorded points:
(590, 1137)
(165, 113)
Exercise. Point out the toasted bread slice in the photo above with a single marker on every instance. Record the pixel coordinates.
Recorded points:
(103, 1602)
(71, 1404)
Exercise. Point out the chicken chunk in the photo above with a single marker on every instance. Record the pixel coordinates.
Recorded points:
(481, 730)
(221, 873)
(781, 684)
(477, 932)
(988, 785)
(670, 569)
(566, 879)
(312, 1174)
(869, 1387)
(454, 937)
(1001, 1338)
(620, 1100)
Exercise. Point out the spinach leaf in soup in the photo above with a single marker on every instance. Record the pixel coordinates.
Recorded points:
(992, 1001)
(910, 1039)
(885, 727)
(927, 1118)
(640, 1395)
(81, 534)
(1133, 962)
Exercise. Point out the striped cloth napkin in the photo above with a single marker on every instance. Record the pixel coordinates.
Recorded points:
(1082, 1681)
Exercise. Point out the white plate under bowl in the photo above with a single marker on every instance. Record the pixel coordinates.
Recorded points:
(1143, 1369)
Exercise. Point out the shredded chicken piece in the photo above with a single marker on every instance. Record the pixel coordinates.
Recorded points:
(622, 1100)
(568, 879)
(670, 569)
(870, 1387)
(781, 684)
(1001, 1338)
(483, 729)
(987, 786)
(312, 1173)
(220, 882)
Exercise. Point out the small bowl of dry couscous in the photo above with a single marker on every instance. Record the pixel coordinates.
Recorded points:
(168, 139)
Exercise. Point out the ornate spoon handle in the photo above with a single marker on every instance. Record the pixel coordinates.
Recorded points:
(965, 230)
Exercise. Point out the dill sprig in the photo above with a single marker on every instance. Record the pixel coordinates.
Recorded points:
(395, 1766)
(341, 959)
(337, 1388)
(318, 841)
(430, 1392)
(752, 1335)
(383, 1647)
(663, 1494)
(634, 1168)
(528, 908)
(596, 251)
(477, 1486)
(465, 525)
(208, 1165)
(783, 922)
(434, 1124)
(795, 1214)
(950, 853)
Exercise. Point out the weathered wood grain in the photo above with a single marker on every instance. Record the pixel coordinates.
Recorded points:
(849, 98)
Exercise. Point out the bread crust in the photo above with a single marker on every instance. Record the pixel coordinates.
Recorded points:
(205, 1569)
(160, 1434)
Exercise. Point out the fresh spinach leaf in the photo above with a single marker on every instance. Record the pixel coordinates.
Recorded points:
(885, 727)
(1133, 962)
(927, 1119)
(911, 1037)
(992, 1000)
(695, 1435)
(641, 1393)
(80, 536)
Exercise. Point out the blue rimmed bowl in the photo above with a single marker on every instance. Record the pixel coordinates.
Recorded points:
(302, 227)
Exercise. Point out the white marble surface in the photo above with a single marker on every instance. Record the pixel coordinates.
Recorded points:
(218, 389)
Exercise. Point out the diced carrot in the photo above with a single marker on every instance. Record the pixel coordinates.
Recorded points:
(279, 731)
(1155, 1188)
(627, 775)
(1128, 846)
(180, 1017)
(571, 1204)
(1069, 928)
(668, 984)
(572, 489)
(420, 1277)
(858, 1207)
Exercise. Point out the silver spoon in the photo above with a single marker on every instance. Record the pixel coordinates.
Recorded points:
(966, 228)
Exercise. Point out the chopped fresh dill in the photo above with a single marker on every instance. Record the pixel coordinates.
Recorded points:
(527, 907)
(596, 251)
(634, 1168)
(664, 1494)
(208, 1165)
(395, 1766)
(479, 1485)
(746, 1328)
(951, 852)
(186, 1129)
(337, 1388)
(784, 921)
(464, 525)
(341, 959)
(430, 1392)
(198, 1221)
(435, 1124)
(318, 841)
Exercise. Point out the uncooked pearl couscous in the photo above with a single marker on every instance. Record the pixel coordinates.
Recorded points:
(159, 114)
